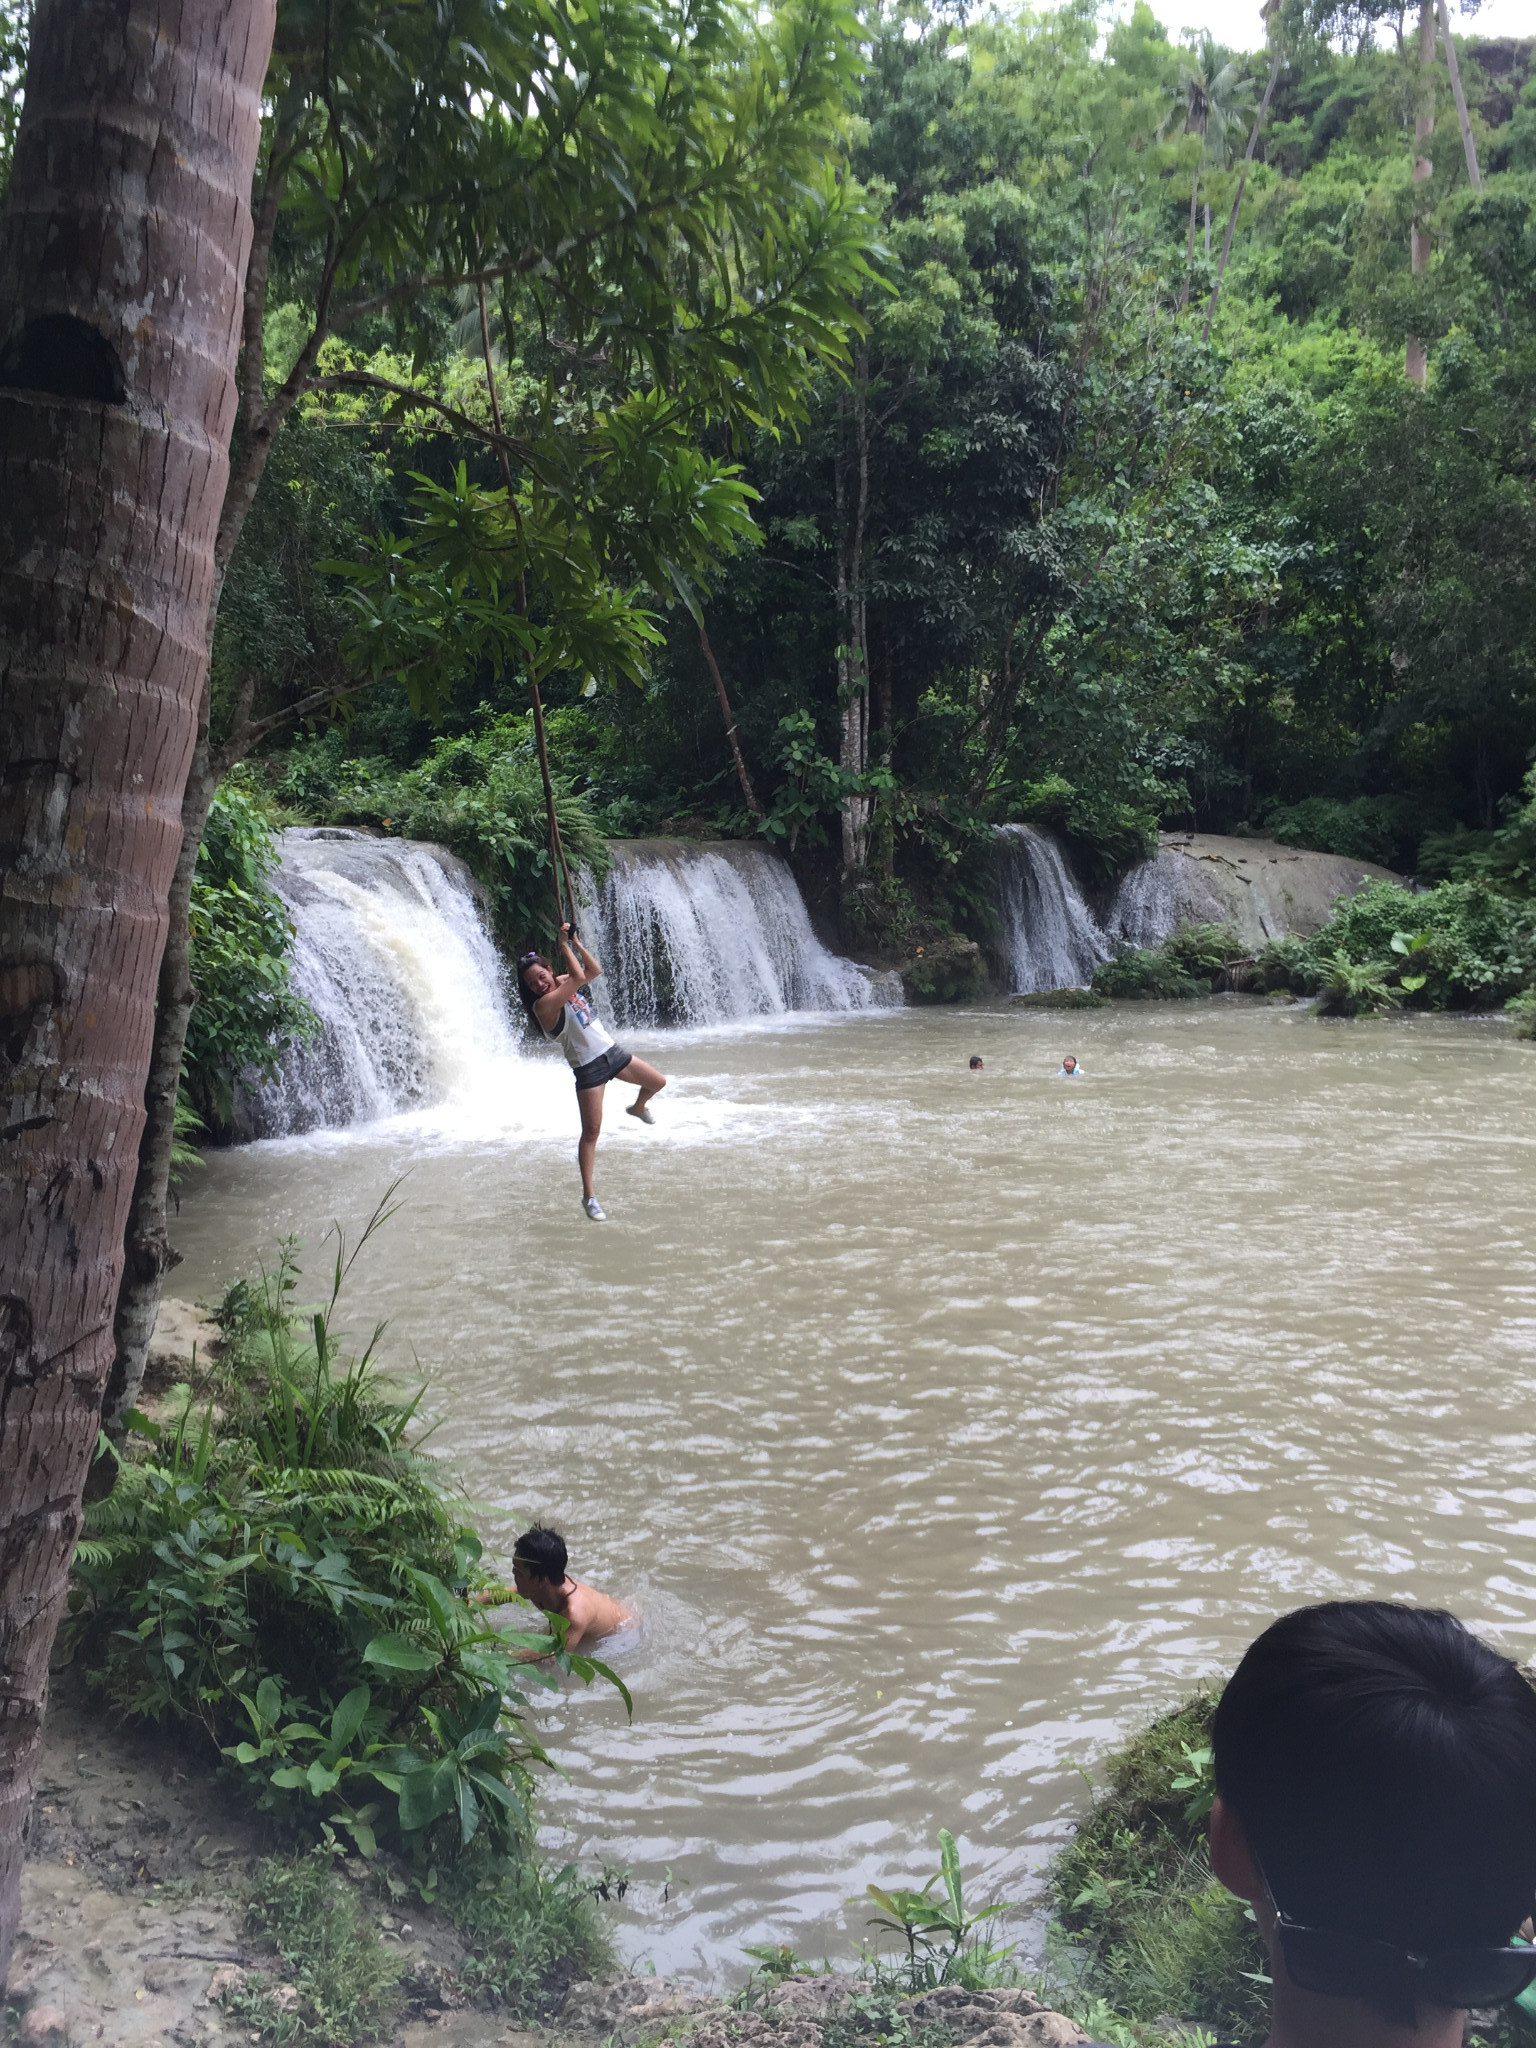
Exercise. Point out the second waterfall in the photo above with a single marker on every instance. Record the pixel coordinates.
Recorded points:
(692, 934)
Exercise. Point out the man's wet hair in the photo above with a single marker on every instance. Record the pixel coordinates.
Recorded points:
(542, 1552)
(1382, 1761)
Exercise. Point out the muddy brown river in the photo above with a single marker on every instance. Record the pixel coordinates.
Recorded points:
(941, 1427)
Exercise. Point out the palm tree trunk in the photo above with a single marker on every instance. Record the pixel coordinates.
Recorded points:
(121, 262)
(1452, 64)
(1237, 197)
(1415, 355)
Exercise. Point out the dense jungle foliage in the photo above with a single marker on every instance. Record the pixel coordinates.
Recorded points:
(1040, 545)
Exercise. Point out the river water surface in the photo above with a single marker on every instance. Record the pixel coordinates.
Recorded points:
(942, 1427)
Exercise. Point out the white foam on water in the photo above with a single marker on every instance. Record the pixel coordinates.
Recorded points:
(1050, 938)
(418, 1039)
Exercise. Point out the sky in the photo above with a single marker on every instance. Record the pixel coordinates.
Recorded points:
(1237, 22)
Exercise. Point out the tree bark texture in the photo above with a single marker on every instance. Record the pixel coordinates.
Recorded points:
(1453, 65)
(121, 261)
(1415, 355)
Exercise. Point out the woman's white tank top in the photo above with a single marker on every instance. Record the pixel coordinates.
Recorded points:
(581, 1036)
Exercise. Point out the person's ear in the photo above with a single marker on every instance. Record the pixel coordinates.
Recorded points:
(1231, 1858)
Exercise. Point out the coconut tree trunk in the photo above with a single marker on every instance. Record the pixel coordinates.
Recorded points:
(121, 260)
(1453, 65)
(1415, 355)
(1237, 198)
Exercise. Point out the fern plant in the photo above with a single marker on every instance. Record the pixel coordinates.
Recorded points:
(285, 1568)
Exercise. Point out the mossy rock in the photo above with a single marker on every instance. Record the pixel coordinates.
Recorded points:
(948, 970)
(1060, 999)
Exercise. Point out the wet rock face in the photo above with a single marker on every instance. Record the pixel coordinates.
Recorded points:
(1257, 886)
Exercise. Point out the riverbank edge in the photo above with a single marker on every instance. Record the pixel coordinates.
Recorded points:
(140, 1859)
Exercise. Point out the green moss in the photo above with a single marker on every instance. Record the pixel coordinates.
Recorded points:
(947, 970)
(1144, 1928)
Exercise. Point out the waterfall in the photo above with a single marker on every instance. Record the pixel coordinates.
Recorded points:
(390, 952)
(1159, 895)
(1049, 936)
(692, 934)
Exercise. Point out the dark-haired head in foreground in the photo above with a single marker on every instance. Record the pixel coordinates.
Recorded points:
(1376, 1776)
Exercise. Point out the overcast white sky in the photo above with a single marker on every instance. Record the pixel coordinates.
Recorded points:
(1237, 22)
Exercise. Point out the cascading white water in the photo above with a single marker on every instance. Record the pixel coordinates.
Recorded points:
(1159, 895)
(695, 935)
(390, 952)
(1049, 936)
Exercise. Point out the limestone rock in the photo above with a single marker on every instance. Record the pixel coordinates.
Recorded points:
(1258, 887)
(179, 1327)
(627, 2006)
(43, 2026)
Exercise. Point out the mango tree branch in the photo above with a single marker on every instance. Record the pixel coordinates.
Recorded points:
(365, 380)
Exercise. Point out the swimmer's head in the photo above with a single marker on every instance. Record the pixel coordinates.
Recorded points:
(538, 1566)
(975, 1062)
(535, 978)
(1070, 1063)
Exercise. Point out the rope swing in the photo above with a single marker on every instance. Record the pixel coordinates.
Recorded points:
(559, 874)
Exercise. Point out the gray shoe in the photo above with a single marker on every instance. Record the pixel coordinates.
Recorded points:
(594, 1208)
(642, 1111)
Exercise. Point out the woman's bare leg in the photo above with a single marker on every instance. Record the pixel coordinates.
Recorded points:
(647, 1080)
(590, 1102)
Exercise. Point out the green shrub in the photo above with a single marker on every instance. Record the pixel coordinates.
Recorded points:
(531, 1933)
(292, 1576)
(1190, 962)
(480, 795)
(346, 1981)
(1147, 974)
(1452, 947)
(1144, 1929)
(1523, 1010)
(1207, 951)
(246, 1014)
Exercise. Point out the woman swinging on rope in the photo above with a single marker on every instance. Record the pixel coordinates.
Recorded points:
(557, 1003)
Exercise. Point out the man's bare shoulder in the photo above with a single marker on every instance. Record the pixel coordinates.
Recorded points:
(597, 1614)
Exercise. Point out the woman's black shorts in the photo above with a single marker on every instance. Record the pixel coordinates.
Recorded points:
(603, 1068)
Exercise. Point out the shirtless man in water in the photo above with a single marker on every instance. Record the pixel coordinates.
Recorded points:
(539, 1574)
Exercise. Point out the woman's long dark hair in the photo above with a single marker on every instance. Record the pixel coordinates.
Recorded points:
(531, 960)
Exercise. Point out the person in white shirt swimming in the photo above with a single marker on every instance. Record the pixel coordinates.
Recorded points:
(558, 1005)
(1069, 1070)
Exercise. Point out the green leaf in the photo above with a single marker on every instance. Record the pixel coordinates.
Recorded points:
(395, 1653)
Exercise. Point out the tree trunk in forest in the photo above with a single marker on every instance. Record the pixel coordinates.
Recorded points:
(853, 662)
(1415, 355)
(122, 256)
(1237, 197)
(1453, 65)
(748, 792)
